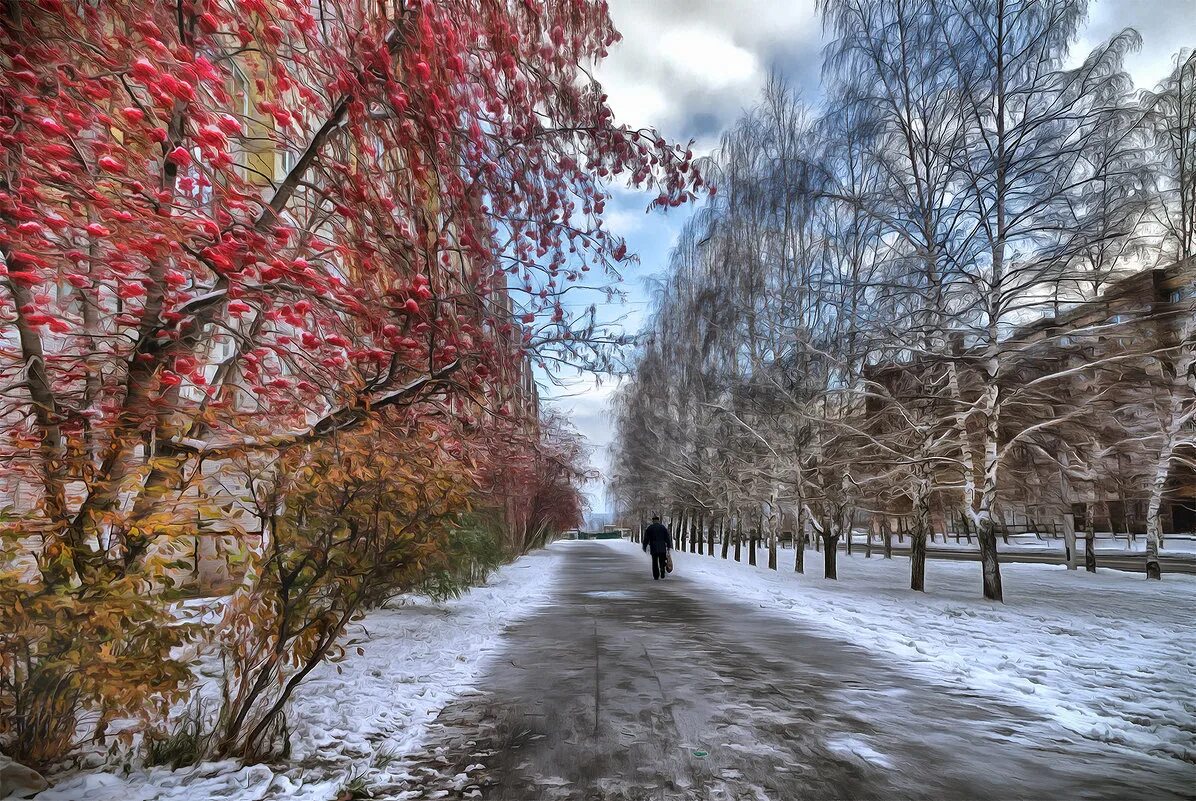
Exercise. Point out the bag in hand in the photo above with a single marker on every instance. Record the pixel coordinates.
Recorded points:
(668, 563)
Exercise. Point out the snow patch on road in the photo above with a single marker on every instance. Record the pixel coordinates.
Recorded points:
(1109, 657)
(856, 748)
(623, 594)
(362, 718)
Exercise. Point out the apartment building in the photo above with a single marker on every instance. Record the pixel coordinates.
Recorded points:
(1087, 395)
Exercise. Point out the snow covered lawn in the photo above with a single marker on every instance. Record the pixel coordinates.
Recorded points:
(1106, 544)
(1110, 656)
(358, 719)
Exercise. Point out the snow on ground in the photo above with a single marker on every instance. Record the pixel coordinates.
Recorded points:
(1108, 657)
(1106, 544)
(358, 719)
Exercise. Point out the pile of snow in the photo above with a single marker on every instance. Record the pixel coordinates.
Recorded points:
(352, 719)
(1108, 656)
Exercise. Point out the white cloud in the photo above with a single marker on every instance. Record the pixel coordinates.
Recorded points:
(636, 103)
(709, 58)
(689, 67)
(1165, 25)
(624, 221)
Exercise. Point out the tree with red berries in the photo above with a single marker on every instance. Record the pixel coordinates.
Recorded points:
(230, 229)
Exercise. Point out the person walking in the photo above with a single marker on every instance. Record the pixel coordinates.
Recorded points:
(660, 542)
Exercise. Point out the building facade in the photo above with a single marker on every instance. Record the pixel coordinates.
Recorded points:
(1088, 398)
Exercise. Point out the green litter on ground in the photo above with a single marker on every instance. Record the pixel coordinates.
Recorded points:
(701, 753)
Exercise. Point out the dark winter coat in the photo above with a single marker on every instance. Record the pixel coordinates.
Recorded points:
(657, 538)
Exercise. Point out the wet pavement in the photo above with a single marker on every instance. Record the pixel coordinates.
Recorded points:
(629, 689)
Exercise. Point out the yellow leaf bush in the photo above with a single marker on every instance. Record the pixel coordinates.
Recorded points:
(102, 651)
(366, 515)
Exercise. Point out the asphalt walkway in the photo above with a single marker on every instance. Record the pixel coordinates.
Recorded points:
(628, 689)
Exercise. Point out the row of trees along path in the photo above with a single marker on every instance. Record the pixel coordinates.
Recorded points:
(838, 334)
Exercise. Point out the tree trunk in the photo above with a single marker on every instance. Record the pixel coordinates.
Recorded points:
(775, 523)
(887, 533)
(917, 558)
(1154, 522)
(1153, 569)
(922, 529)
(991, 407)
(989, 564)
(699, 530)
(1089, 538)
(1069, 520)
(830, 554)
(724, 531)
(917, 562)
(752, 547)
(1069, 539)
(799, 540)
(738, 540)
(53, 452)
(1182, 412)
(710, 537)
(1125, 521)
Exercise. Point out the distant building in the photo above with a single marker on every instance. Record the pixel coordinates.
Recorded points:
(1109, 357)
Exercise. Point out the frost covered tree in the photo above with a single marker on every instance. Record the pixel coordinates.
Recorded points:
(877, 280)
(1172, 127)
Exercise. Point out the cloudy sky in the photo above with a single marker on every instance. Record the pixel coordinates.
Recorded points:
(689, 67)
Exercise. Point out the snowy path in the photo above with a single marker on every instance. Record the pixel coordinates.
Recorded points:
(696, 688)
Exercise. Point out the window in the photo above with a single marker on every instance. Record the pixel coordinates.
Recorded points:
(195, 183)
(285, 162)
(240, 106)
